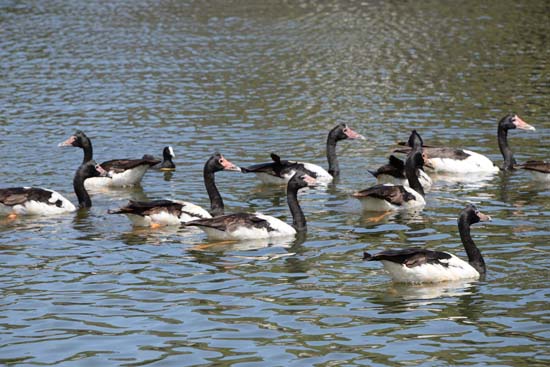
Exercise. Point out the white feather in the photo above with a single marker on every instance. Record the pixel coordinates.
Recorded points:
(323, 177)
(129, 177)
(281, 229)
(195, 212)
(139, 220)
(33, 207)
(431, 273)
(189, 212)
(474, 163)
(380, 205)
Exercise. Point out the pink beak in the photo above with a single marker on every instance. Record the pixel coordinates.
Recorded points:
(101, 171)
(520, 124)
(68, 143)
(351, 134)
(310, 180)
(228, 166)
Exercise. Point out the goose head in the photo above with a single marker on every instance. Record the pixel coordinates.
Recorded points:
(472, 215)
(168, 153)
(300, 180)
(217, 162)
(343, 131)
(513, 121)
(78, 139)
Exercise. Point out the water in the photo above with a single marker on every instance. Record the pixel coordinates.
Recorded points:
(247, 79)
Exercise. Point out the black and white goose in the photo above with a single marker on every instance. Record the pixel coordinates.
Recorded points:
(394, 172)
(16, 201)
(122, 172)
(387, 197)
(246, 226)
(279, 171)
(419, 265)
(167, 155)
(167, 164)
(174, 212)
(540, 169)
(462, 161)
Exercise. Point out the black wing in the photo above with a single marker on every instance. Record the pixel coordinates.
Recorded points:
(410, 257)
(19, 195)
(539, 166)
(278, 167)
(143, 208)
(231, 222)
(395, 168)
(433, 152)
(121, 165)
(394, 194)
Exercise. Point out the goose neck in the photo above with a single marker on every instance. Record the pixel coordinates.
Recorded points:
(298, 218)
(474, 255)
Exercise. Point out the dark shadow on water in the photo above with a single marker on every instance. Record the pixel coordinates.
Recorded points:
(456, 298)
(145, 235)
(123, 193)
(213, 253)
(168, 175)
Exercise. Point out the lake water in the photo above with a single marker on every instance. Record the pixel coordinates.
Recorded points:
(247, 78)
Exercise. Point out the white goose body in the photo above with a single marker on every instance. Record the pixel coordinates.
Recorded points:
(320, 174)
(475, 162)
(449, 270)
(376, 204)
(278, 229)
(54, 204)
(189, 212)
(130, 177)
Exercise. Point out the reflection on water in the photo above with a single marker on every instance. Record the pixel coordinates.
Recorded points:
(246, 79)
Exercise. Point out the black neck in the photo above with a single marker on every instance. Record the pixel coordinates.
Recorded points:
(507, 154)
(333, 167)
(216, 202)
(411, 173)
(88, 150)
(298, 218)
(474, 255)
(84, 200)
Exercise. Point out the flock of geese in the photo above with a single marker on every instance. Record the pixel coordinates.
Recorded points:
(401, 185)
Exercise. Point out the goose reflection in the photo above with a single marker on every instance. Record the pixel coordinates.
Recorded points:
(121, 193)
